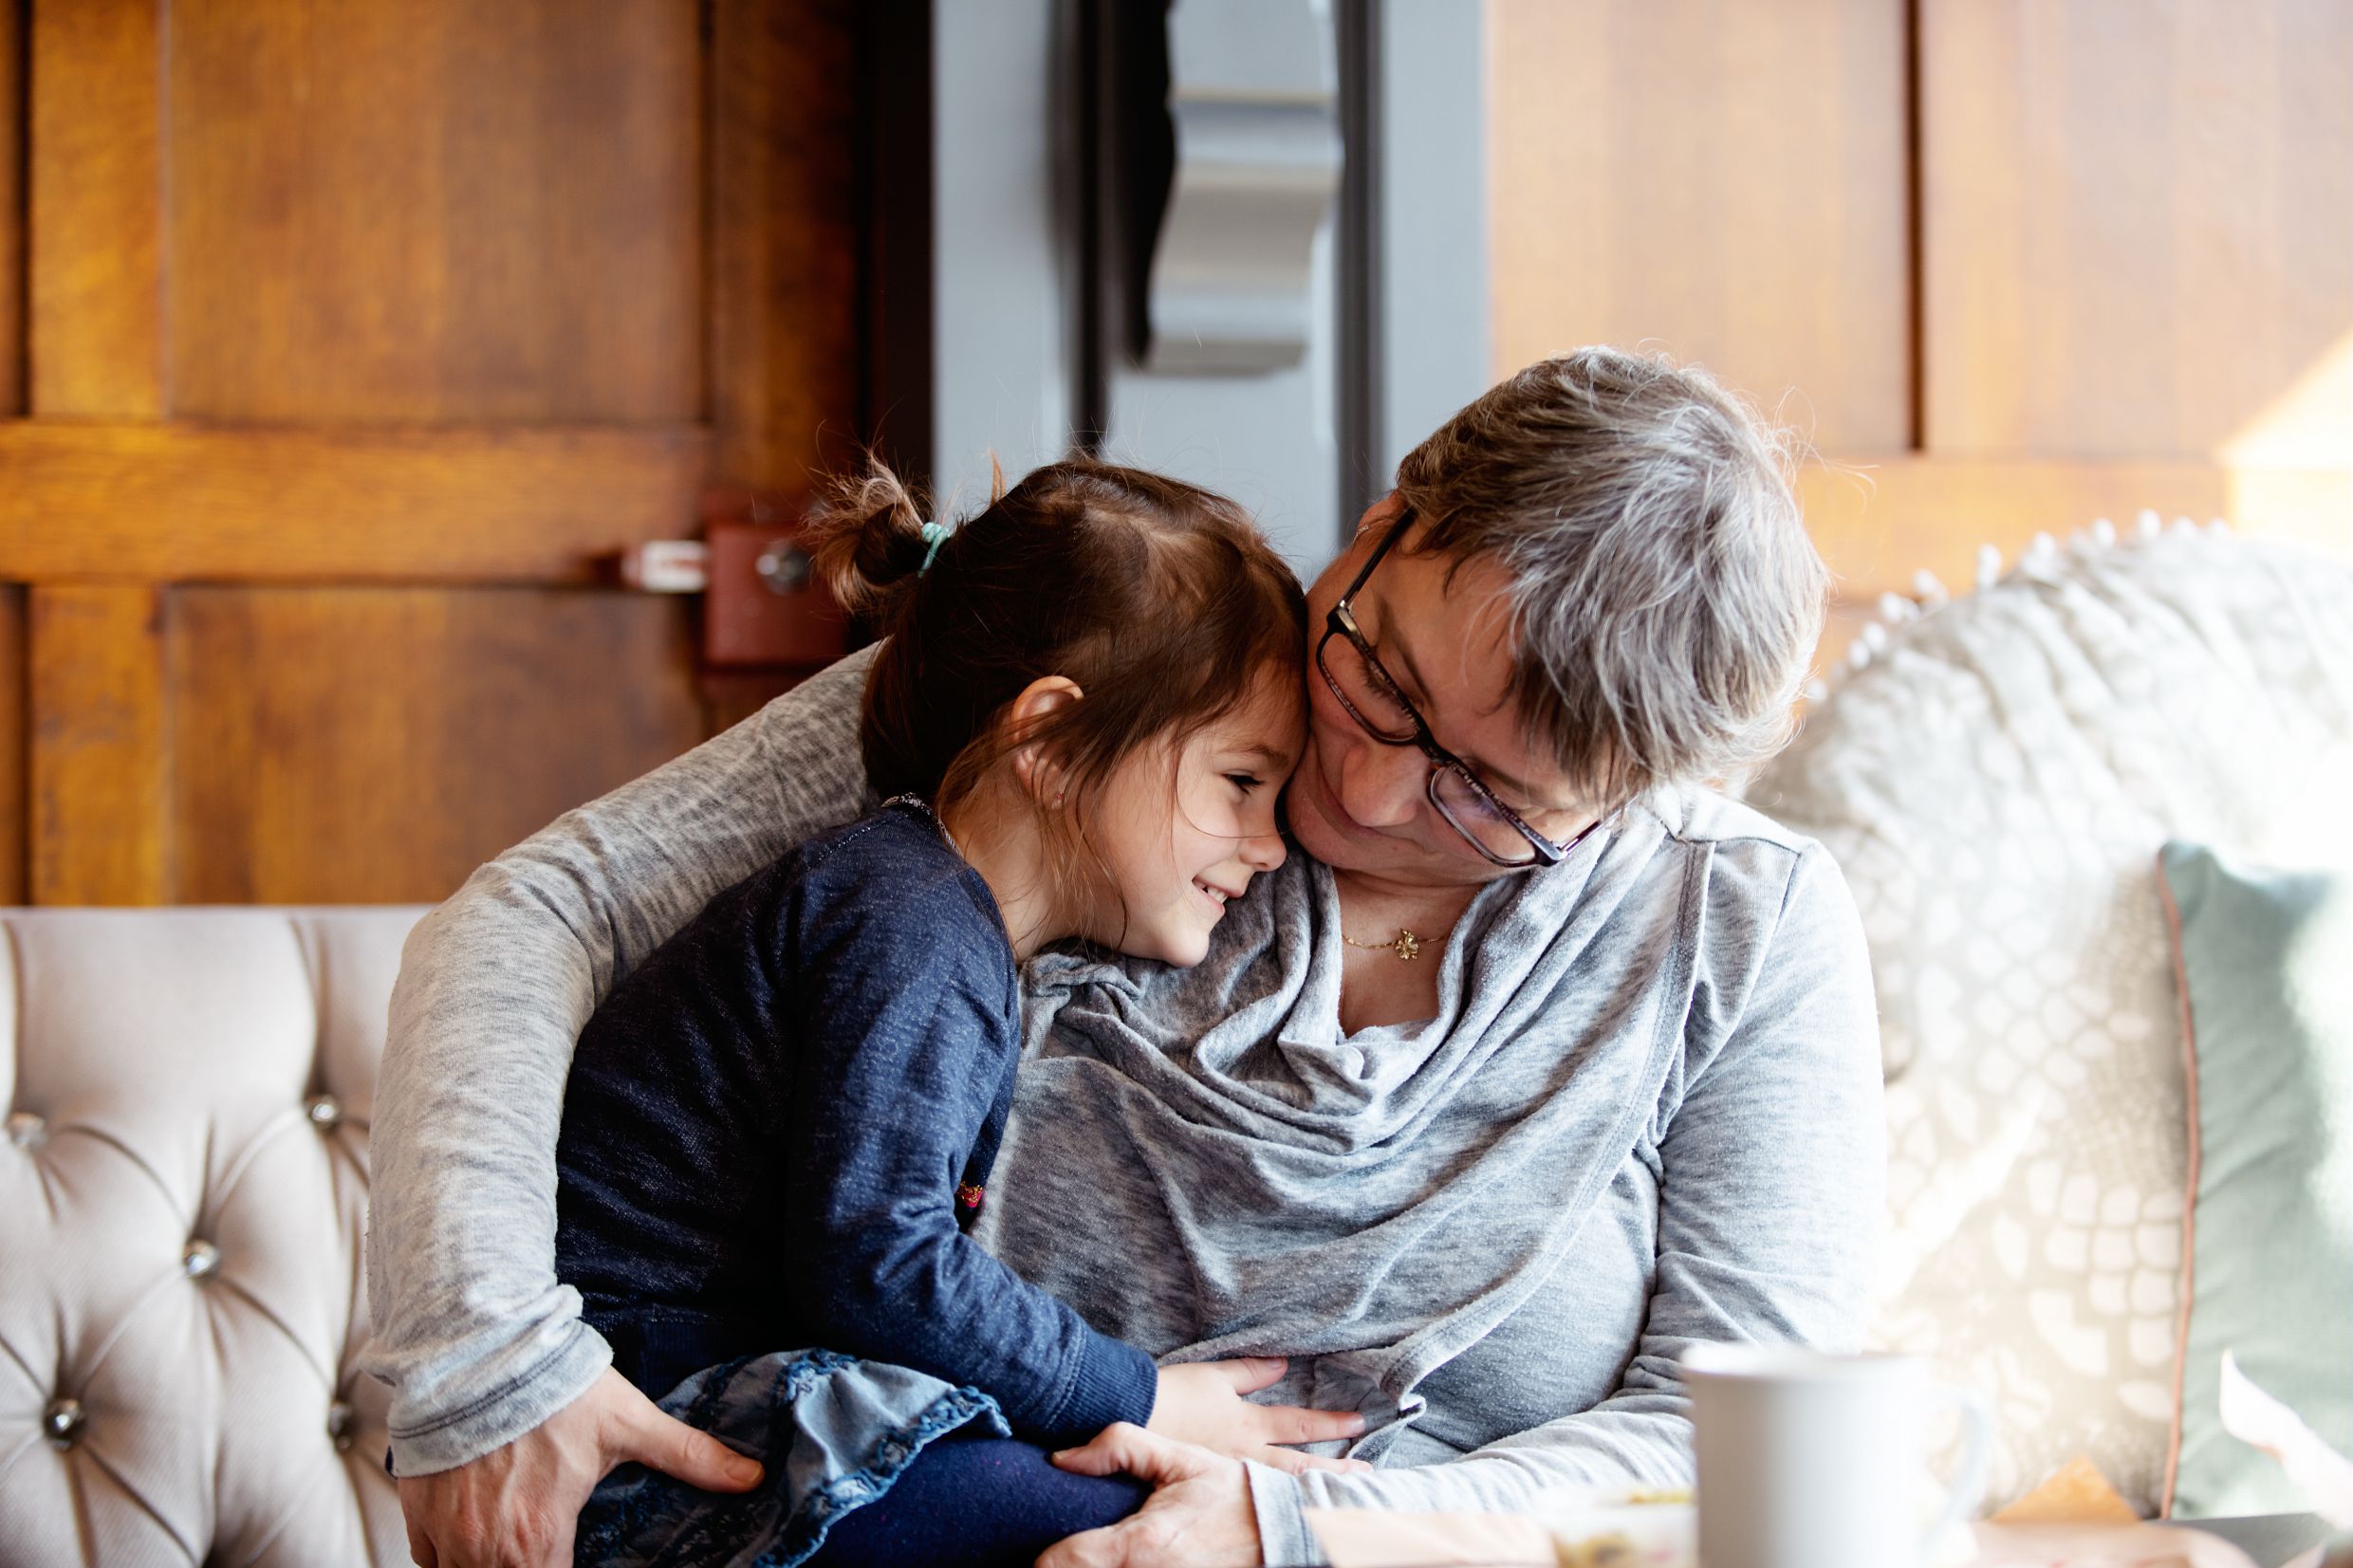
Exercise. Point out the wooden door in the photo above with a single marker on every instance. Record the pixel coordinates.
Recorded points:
(2013, 268)
(343, 347)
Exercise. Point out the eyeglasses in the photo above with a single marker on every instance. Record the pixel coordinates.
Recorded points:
(1373, 699)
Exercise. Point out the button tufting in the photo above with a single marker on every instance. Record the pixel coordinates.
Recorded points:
(325, 1115)
(339, 1424)
(27, 1130)
(61, 1423)
(198, 1259)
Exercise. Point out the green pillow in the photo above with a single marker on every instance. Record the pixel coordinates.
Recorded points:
(2264, 959)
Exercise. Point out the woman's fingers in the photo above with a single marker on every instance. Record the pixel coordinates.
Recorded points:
(420, 1546)
(1248, 1374)
(1292, 1461)
(663, 1443)
(1291, 1424)
(1125, 1448)
(639, 1429)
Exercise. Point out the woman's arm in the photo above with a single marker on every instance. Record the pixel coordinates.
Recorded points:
(1769, 1203)
(477, 1340)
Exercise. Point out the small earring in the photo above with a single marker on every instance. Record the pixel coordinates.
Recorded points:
(1058, 799)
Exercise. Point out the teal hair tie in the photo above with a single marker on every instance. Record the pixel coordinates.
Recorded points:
(933, 534)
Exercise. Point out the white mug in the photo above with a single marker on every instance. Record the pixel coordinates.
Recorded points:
(1810, 1461)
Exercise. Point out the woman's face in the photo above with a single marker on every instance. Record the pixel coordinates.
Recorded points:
(1362, 807)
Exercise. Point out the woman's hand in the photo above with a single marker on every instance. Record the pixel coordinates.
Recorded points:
(515, 1506)
(1198, 1515)
(1202, 1404)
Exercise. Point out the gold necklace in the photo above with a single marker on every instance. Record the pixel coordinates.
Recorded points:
(1405, 944)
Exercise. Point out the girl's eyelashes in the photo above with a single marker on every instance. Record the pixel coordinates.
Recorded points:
(1246, 782)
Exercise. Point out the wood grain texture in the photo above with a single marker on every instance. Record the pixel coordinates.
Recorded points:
(15, 649)
(99, 767)
(412, 210)
(364, 744)
(96, 320)
(13, 110)
(175, 502)
(785, 336)
(1725, 181)
(1877, 522)
(362, 335)
(2138, 228)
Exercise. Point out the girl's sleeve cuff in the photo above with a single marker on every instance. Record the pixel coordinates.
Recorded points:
(1115, 1382)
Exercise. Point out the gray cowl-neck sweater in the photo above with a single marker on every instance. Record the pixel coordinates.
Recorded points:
(1646, 1115)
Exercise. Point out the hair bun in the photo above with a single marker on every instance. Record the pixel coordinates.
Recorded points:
(865, 539)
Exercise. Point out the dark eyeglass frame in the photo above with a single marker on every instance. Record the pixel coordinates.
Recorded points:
(1340, 621)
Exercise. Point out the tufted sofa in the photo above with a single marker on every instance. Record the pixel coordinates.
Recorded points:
(181, 1196)
(188, 1090)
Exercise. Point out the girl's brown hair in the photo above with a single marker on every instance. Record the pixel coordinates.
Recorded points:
(1158, 598)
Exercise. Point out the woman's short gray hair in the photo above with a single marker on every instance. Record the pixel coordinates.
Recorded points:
(1665, 599)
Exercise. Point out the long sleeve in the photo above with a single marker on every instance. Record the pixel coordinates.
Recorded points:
(908, 1035)
(470, 1328)
(1764, 1236)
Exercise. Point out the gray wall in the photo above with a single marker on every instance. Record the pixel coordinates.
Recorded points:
(1003, 355)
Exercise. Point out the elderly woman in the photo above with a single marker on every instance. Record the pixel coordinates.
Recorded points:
(1543, 1062)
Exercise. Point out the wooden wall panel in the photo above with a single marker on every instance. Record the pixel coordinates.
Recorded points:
(14, 689)
(1725, 181)
(434, 211)
(12, 112)
(357, 339)
(359, 743)
(96, 284)
(786, 356)
(2138, 228)
(99, 767)
(1879, 523)
(170, 502)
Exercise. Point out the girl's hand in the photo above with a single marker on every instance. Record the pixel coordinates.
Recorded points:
(1202, 1404)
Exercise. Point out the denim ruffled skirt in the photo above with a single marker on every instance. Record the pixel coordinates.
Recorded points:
(835, 1432)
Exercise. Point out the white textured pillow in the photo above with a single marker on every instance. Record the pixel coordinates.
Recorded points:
(1995, 783)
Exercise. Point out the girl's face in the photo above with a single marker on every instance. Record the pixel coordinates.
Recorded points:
(1177, 856)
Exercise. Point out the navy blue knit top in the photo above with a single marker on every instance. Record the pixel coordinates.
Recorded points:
(768, 1122)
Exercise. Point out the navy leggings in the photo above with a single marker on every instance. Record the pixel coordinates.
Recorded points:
(977, 1503)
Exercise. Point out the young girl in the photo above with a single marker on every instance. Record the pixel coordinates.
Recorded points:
(777, 1126)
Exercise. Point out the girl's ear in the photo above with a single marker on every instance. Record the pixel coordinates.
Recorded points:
(1035, 768)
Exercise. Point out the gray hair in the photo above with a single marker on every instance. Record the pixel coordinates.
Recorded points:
(1665, 599)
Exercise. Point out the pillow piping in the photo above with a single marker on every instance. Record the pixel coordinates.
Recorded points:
(2189, 1199)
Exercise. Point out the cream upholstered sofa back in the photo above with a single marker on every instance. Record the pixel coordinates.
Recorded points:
(182, 1190)
(1996, 781)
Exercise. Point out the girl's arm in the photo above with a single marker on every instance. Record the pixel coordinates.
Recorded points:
(905, 1027)
(905, 1031)
(477, 1340)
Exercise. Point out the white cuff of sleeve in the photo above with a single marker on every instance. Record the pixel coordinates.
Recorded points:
(500, 1415)
(1284, 1539)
